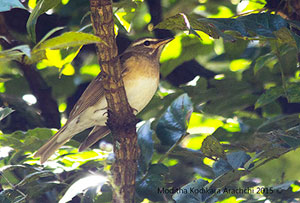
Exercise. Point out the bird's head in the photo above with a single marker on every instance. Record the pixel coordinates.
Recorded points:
(150, 47)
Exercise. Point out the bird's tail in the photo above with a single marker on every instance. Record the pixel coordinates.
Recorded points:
(96, 134)
(51, 146)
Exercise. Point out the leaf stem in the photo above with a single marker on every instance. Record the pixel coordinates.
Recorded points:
(281, 70)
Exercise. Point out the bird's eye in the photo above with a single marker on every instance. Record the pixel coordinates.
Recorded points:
(146, 43)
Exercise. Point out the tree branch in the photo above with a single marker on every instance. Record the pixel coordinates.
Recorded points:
(43, 93)
(38, 86)
(121, 120)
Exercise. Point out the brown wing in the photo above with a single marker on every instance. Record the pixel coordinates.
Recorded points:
(94, 92)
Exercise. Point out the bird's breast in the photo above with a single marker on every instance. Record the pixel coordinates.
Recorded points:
(140, 91)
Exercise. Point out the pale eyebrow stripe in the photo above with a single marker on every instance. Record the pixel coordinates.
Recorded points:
(141, 42)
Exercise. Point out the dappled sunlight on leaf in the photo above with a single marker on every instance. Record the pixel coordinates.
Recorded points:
(194, 141)
(200, 123)
(253, 5)
(62, 107)
(239, 64)
(92, 69)
(224, 12)
(208, 161)
(205, 38)
(68, 69)
(82, 184)
(120, 15)
(225, 115)
(55, 58)
(171, 50)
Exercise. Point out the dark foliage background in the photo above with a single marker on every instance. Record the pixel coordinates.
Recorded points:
(223, 125)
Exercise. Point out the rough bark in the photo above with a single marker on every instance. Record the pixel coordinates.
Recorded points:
(121, 120)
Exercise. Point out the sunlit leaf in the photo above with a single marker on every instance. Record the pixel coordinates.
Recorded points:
(5, 112)
(212, 147)
(49, 34)
(254, 5)
(239, 64)
(183, 48)
(123, 21)
(93, 69)
(224, 12)
(81, 185)
(68, 39)
(68, 69)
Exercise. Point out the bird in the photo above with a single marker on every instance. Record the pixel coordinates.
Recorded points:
(140, 72)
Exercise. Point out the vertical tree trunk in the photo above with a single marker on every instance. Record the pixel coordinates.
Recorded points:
(121, 120)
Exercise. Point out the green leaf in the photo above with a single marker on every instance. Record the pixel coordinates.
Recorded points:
(283, 122)
(26, 141)
(6, 5)
(226, 179)
(269, 96)
(23, 48)
(293, 93)
(34, 176)
(262, 24)
(212, 147)
(49, 34)
(68, 39)
(173, 124)
(184, 22)
(10, 54)
(237, 159)
(221, 167)
(5, 112)
(284, 35)
(126, 4)
(186, 47)
(223, 97)
(146, 145)
(41, 7)
(263, 60)
(234, 160)
(149, 186)
(15, 53)
(235, 49)
(292, 141)
(83, 184)
(193, 192)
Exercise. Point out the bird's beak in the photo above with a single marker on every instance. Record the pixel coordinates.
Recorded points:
(164, 41)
